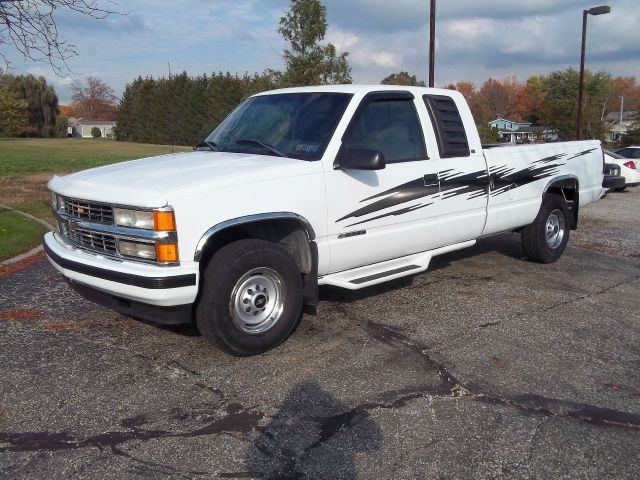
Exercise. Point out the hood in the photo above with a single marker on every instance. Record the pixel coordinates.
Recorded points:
(154, 181)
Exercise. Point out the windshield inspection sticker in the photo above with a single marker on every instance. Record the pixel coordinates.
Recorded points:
(307, 147)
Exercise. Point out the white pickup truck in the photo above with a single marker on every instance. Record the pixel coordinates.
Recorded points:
(336, 185)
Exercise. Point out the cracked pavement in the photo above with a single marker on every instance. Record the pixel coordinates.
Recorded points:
(486, 366)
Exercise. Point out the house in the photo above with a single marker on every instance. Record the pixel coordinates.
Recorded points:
(82, 127)
(619, 124)
(514, 131)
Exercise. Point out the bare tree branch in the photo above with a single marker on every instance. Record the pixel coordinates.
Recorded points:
(29, 26)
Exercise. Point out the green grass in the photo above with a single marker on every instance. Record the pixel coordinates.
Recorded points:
(18, 234)
(37, 208)
(19, 156)
(27, 164)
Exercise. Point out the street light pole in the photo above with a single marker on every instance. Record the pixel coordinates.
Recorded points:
(592, 11)
(432, 41)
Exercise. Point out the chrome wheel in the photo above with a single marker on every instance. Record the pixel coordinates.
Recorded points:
(257, 300)
(555, 229)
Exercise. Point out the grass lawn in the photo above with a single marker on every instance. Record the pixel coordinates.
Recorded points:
(18, 234)
(26, 165)
(20, 156)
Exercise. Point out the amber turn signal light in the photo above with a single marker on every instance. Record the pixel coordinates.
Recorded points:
(164, 221)
(167, 252)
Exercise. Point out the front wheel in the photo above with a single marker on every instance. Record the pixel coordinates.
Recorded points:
(251, 299)
(546, 238)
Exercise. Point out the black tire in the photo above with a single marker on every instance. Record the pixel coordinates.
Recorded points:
(262, 273)
(546, 238)
(620, 189)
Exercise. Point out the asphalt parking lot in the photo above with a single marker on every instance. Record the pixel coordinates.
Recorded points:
(486, 366)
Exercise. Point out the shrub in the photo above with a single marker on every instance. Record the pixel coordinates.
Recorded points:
(96, 132)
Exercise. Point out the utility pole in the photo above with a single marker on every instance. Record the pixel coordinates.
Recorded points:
(432, 42)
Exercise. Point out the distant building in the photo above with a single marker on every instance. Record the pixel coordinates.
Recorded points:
(83, 127)
(513, 131)
(618, 128)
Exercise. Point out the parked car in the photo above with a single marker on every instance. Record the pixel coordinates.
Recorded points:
(629, 169)
(630, 152)
(339, 185)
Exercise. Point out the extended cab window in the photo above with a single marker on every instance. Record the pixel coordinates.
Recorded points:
(390, 126)
(448, 126)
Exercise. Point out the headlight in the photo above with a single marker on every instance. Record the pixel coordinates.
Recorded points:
(140, 250)
(133, 218)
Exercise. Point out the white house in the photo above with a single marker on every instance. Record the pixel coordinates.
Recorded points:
(84, 127)
(523, 132)
(618, 127)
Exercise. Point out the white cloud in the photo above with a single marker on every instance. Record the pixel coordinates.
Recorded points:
(386, 59)
(342, 40)
(475, 39)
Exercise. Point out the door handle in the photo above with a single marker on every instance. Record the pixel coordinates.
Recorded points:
(430, 179)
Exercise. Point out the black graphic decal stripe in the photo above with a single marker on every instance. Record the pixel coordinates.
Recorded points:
(406, 192)
(395, 213)
(580, 154)
(453, 184)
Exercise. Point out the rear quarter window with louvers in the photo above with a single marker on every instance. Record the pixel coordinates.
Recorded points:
(450, 134)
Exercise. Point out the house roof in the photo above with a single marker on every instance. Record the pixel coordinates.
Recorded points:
(96, 122)
(504, 120)
(615, 116)
(537, 129)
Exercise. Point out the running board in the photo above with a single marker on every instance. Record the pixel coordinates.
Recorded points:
(368, 275)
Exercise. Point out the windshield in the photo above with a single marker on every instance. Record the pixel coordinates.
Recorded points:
(295, 125)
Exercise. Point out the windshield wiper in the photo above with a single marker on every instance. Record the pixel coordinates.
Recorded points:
(206, 143)
(266, 146)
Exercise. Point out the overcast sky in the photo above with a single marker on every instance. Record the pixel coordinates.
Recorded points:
(476, 39)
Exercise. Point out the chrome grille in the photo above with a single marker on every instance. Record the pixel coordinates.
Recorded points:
(97, 242)
(91, 211)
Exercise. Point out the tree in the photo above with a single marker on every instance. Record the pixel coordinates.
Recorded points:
(181, 109)
(624, 87)
(96, 101)
(495, 100)
(31, 28)
(41, 103)
(12, 113)
(309, 62)
(402, 78)
(560, 92)
(96, 132)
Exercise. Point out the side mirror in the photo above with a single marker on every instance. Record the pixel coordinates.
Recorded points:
(356, 158)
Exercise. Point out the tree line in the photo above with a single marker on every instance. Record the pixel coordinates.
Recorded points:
(551, 100)
(183, 109)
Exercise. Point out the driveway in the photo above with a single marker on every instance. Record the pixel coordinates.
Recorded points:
(485, 366)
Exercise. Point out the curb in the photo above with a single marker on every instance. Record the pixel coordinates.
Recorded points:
(33, 251)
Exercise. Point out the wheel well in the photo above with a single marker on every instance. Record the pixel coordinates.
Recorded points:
(288, 233)
(568, 189)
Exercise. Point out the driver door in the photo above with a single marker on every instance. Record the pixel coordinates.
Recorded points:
(377, 215)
